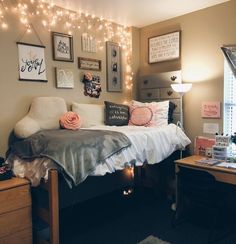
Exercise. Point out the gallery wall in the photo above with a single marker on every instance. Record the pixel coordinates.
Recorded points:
(202, 34)
(16, 95)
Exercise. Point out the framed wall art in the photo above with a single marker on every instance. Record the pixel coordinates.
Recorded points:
(114, 83)
(164, 47)
(31, 62)
(210, 110)
(89, 64)
(88, 43)
(64, 78)
(62, 47)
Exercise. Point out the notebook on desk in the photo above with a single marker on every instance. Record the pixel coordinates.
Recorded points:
(209, 161)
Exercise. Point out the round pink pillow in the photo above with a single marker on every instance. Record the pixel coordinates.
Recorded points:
(70, 120)
(140, 116)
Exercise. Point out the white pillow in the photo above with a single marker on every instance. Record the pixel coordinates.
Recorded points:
(44, 114)
(160, 111)
(90, 114)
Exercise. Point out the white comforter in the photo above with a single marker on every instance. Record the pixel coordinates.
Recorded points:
(149, 144)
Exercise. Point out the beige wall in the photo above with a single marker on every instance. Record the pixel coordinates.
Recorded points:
(202, 33)
(16, 95)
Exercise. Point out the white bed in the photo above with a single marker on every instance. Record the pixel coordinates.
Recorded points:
(149, 144)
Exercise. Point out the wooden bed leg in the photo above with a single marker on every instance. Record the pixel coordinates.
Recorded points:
(53, 207)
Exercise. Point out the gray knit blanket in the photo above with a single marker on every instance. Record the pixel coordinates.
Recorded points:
(77, 152)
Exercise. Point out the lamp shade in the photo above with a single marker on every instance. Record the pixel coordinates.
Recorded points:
(181, 88)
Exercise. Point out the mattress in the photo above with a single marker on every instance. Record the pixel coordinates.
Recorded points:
(149, 145)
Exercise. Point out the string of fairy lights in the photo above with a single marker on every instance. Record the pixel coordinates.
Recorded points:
(51, 16)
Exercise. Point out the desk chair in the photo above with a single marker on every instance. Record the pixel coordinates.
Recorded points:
(200, 195)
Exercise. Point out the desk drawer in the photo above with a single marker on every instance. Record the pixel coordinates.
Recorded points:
(21, 237)
(14, 198)
(15, 221)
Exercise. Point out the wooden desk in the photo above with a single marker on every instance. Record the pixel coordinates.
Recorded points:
(221, 174)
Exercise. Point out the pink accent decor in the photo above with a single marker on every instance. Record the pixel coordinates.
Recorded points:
(70, 120)
(140, 116)
(211, 110)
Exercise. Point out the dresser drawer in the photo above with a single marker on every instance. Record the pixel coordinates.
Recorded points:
(150, 94)
(14, 198)
(159, 79)
(168, 93)
(21, 237)
(15, 221)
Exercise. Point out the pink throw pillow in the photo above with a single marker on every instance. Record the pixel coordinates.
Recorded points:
(140, 116)
(70, 120)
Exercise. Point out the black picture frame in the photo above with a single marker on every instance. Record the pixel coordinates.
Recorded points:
(62, 47)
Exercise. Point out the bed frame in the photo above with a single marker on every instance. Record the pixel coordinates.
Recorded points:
(151, 87)
(48, 210)
(49, 213)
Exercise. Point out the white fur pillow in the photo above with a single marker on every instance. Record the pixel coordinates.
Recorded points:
(90, 114)
(44, 114)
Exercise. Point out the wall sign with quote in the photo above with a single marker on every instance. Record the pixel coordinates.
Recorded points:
(164, 47)
(31, 62)
(62, 47)
(210, 110)
(89, 64)
(114, 83)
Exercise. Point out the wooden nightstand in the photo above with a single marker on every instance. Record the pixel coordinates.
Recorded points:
(15, 212)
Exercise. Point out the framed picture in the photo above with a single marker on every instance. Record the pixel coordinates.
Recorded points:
(89, 64)
(62, 47)
(164, 47)
(230, 55)
(31, 62)
(88, 43)
(64, 78)
(210, 110)
(114, 83)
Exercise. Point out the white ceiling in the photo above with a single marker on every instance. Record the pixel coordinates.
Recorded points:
(136, 13)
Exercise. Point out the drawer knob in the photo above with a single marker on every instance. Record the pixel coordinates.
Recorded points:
(145, 82)
(169, 93)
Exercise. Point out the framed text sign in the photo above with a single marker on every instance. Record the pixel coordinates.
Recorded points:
(89, 64)
(164, 47)
(210, 110)
(31, 62)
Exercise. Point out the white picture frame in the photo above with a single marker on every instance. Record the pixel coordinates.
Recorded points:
(164, 47)
(64, 78)
(31, 60)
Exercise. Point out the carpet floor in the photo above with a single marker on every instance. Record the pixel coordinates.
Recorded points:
(116, 219)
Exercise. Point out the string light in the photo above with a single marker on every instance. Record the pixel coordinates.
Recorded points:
(51, 15)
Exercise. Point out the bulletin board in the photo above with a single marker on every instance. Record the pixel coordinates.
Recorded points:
(164, 47)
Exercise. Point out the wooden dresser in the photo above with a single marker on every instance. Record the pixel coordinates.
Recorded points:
(15, 212)
(157, 87)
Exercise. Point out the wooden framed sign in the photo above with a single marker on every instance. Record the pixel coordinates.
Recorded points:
(164, 47)
(89, 64)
